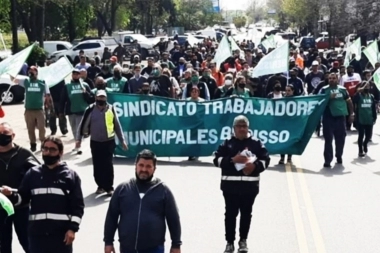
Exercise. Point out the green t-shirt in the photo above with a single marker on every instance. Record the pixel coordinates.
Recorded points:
(244, 94)
(116, 85)
(34, 94)
(364, 109)
(75, 92)
(337, 105)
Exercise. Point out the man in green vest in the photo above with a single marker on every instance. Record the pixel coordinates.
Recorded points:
(334, 122)
(365, 116)
(118, 83)
(36, 91)
(76, 96)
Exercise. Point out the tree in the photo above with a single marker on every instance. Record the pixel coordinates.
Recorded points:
(239, 21)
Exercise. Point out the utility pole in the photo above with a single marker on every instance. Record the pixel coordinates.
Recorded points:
(42, 30)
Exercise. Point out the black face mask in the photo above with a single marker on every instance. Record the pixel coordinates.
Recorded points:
(76, 80)
(293, 76)
(100, 86)
(365, 91)
(31, 75)
(277, 88)
(5, 139)
(100, 102)
(242, 85)
(145, 91)
(117, 74)
(50, 160)
(135, 61)
(92, 64)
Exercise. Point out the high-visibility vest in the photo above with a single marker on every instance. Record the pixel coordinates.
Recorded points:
(110, 117)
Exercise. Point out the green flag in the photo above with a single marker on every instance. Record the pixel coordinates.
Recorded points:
(185, 128)
(6, 204)
(13, 64)
(356, 48)
(56, 72)
(223, 52)
(275, 62)
(372, 52)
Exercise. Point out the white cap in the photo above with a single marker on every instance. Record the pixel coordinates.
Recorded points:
(101, 93)
(315, 63)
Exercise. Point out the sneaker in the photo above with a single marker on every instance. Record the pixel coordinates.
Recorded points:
(243, 246)
(100, 191)
(339, 160)
(281, 161)
(361, 154)
(33, 147)
(230, 248)
(64, 133)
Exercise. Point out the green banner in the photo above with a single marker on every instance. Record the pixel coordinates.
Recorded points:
(173, 128)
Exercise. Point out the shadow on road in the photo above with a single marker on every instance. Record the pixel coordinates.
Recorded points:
(336, 170)
(363, 160)
(93, 200)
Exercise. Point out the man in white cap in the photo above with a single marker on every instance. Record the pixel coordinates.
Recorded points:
(100, 121)
(314, 77)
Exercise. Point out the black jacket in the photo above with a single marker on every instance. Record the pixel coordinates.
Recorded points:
(142, 220)
(56, 199)
(14, 165)
(223, 159)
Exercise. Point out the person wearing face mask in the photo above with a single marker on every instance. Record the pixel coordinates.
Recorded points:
(154, 210)
(101, 123)
(105, 72)
(56, 201)
(239, 89)
(277, 91)
(221, 91)
(16, 161)
(165, 59)
(100, 84)
(145, 89)
(297, 83)
(180, 69)
(37, 93)
(117, 83)
(75, 98)
(203, 89)
(84, 78)
(148, 70)
(350, 81)
(93, 70)
(365, 116)
(160, 84)
(209, 80)
(136, 82)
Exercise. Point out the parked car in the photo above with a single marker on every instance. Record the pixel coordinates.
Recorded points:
(324, 43)
(307, 42)
(88, 46)
(127, 39)
(16, 93)
(53, 46)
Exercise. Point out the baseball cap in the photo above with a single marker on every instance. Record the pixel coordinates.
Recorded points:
(101, 93)
(315, 63)
(76, 71)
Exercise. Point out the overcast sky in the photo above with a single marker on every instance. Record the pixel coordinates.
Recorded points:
(234, 4)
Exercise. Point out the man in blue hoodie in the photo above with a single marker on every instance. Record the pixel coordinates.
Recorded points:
(139, 216)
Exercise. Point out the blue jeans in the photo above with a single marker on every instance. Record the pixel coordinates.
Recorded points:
(20, 222)
(159, 249)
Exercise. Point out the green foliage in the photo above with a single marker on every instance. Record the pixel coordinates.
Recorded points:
(36, 57)
(122, 17)
(296, 11)
(5, 24)
(239, 21)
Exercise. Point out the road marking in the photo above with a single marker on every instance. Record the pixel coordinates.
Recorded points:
(316, 231)
(301, 236)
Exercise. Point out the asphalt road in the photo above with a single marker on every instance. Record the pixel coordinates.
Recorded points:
(302, 208)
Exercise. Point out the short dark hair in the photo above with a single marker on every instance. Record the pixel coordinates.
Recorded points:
(147, 155)
(57, 141)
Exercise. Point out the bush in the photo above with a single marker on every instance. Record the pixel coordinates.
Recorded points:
(37, 56)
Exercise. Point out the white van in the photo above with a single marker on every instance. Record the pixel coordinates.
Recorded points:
(53, 46)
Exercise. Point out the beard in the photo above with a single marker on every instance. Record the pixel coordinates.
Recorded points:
(143, 176)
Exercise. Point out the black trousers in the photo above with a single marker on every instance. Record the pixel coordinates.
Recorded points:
(334, 128)
(102, 156)
(234, 204)
(62, 121)
(19, 221)
(49, 244)
(364, 135)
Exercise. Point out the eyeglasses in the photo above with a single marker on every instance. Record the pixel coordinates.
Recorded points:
(49, 149)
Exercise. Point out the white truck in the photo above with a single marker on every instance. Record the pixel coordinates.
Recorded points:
(127, 38)
(88, 46)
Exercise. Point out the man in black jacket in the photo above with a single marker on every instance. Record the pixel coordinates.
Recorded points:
(55, 93)
(56, 198)
(240, 159)
(15, 161)
(142, 213)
